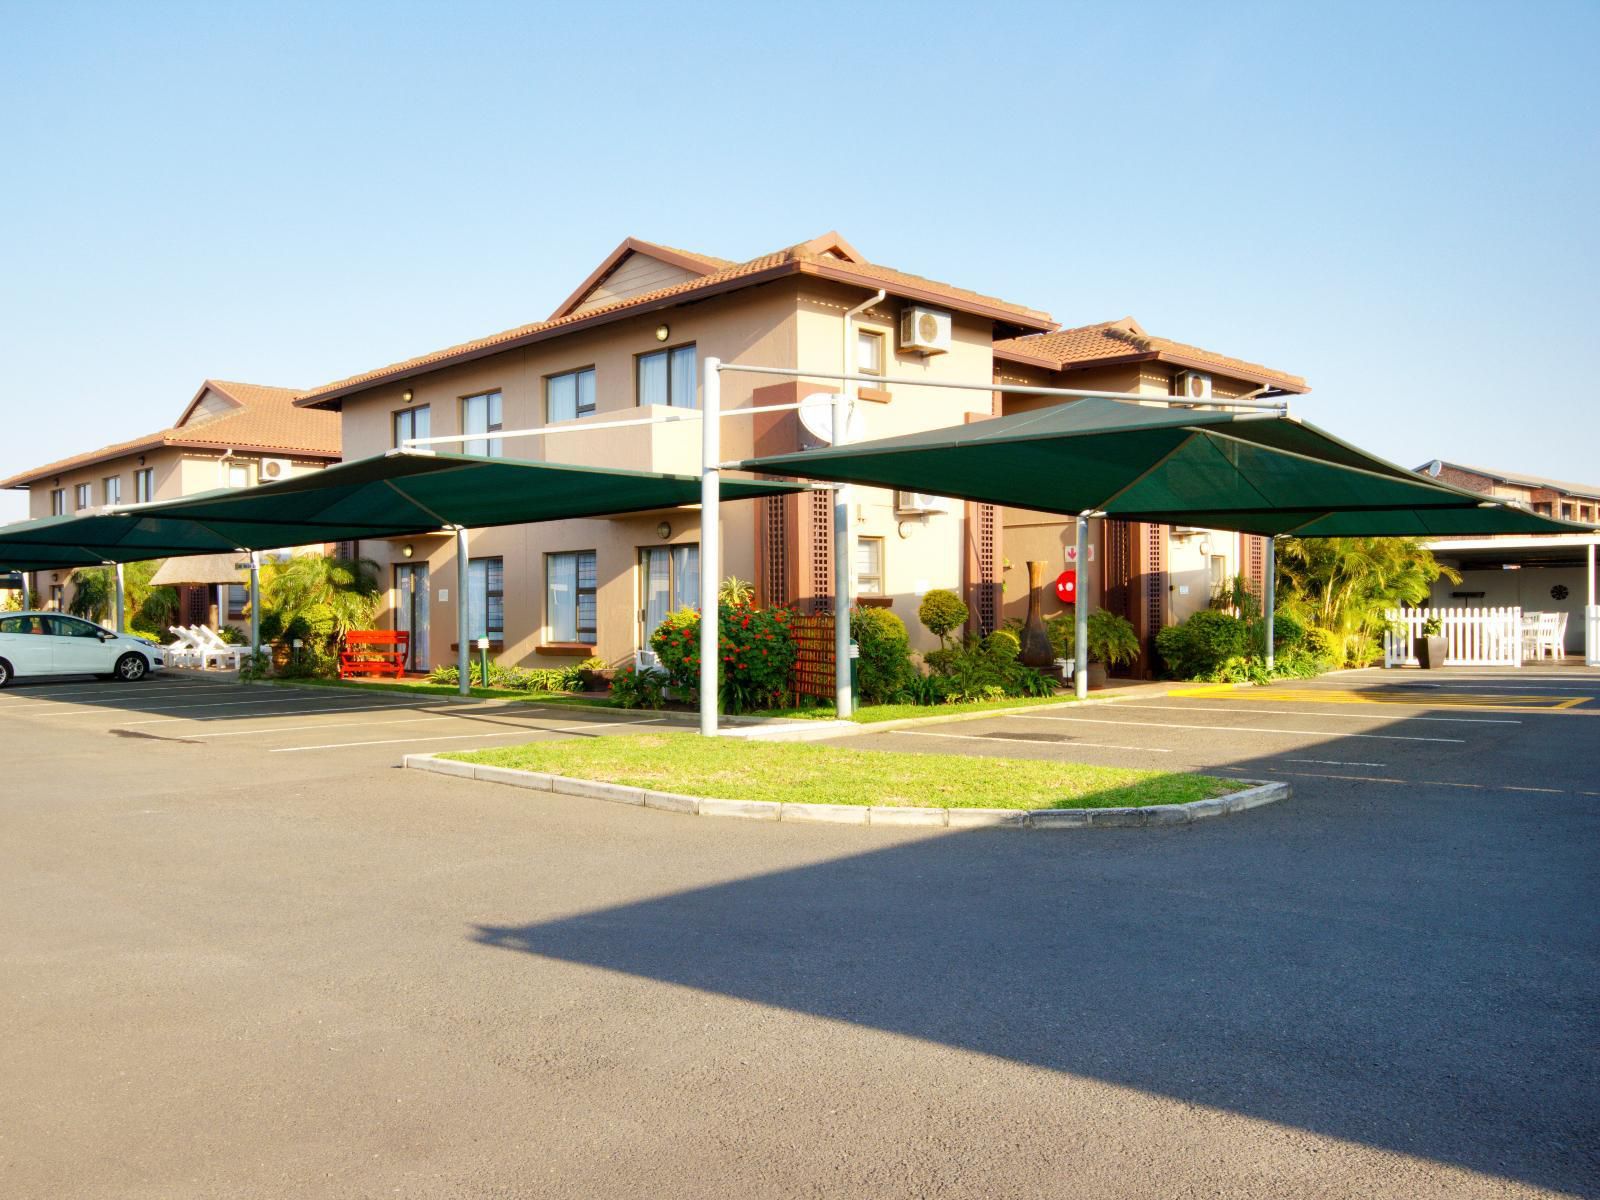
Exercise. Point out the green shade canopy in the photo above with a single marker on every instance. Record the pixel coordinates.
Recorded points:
(403, 492)
(1263, 473)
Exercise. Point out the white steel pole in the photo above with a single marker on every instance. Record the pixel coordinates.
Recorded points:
(1080, 610)
(255, 603)
(710, 542)
(122, 593)
(463, 617)
(844, 553)
(1591, 623)
(1269, 596)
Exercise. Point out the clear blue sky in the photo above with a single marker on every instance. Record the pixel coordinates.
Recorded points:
(1398, 202)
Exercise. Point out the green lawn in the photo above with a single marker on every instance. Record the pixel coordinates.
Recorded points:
(802, 773)
(871, 713)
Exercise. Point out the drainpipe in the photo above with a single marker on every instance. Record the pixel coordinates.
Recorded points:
(843, 537)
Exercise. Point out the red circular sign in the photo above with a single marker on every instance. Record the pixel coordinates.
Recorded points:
(1067, 587)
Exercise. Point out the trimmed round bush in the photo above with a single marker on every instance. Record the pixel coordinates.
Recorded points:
(884, 668)
(941, 612)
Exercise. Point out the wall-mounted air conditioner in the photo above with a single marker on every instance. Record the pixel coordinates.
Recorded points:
(924, 330)
(274, 469)
(919, 503)
(1192, 385)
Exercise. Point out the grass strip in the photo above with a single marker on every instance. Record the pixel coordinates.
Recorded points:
(808, 774)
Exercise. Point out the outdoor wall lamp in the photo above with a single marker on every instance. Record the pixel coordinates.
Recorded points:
(407, 551)
(663, 531)
(405, 396)
(663, 332)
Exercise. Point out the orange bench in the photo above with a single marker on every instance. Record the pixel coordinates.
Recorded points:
(374, 652)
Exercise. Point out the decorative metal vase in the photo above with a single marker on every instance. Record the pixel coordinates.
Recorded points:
(1036, 651)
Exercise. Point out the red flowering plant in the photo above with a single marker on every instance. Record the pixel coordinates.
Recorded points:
(755, 650)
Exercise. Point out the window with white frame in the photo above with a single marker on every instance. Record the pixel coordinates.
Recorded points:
(570, 588)
(236, 475)
(112, 488)
(81, 497)
(869, 352)
(486, 604)
(669, 579)
(569, 395)
(669, 377)
(869, 566)
(481, 414)
(411, 423)
(58, 502)
(238, 600)
(144, 485)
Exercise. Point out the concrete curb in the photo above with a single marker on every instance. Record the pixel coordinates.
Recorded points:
(1156, 815)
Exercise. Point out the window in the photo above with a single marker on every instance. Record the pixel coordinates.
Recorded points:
(58, 502)
(411, 423)
(112, 487)
(569, 395)
(486, 602)
(481, 414)
(869, 352)
(1219, 573)
(144, 485)
(570, 579)
(1566, 512)
(81, 497)
(668, 377)
(1542, 508)
(58, 596)
(869, 566)
(238, 599)
(72, 627)
(236, 474)
(669, 579)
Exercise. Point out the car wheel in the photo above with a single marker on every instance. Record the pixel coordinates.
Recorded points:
(132, 667)
(5, 672)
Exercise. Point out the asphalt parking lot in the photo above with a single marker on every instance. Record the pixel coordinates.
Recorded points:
(241, 954)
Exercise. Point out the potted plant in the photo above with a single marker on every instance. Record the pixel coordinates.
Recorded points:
(1432, 647)
(1112, 641)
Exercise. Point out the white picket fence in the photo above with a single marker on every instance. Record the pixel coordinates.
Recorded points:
(1477, 637)
(1591, 635)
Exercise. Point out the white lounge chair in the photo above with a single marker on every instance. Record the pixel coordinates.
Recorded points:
(186, 651)
(214, 649)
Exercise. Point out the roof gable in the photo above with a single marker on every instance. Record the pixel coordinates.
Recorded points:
(632, 269)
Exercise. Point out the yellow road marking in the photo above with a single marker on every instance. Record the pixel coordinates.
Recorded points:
(1415, 697)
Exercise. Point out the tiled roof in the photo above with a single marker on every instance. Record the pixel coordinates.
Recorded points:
(265, 421)
(1124, 340)
(1588, 491)
(810, 258)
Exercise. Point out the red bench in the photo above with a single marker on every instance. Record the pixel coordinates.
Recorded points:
(374, 652)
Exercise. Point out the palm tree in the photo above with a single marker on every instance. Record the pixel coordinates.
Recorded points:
(1344, 585)
(331, 595)
(94, 595)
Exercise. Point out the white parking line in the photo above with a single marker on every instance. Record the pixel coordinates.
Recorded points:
(978, 737)
(335, 710)
(302, 728)
(1381, 737)
(456, 737)
(1319, 716)
(1333, 762)
(90, 708)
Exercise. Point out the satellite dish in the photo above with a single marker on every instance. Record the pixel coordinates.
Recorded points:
(816, 415)
(1435, 467)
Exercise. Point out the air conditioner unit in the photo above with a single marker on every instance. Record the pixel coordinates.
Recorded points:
(274, 469)
(1192, 385)
(924, 330)
(920, 502)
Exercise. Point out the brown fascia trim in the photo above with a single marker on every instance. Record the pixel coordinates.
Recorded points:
(29, 478)
(614, 259)
(738, 282)
(248, 448)
(1122, 360)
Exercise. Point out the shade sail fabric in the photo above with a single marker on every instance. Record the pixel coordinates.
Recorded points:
(391, 495)
(1255, 472)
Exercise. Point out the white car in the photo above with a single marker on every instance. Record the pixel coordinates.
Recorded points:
(52, 643)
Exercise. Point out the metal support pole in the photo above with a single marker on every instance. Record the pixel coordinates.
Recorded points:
(1591, 621)
(255, 604)
(1269, 594)
(1080, 611)
(710, 542)
(122, 599)
(463, 648)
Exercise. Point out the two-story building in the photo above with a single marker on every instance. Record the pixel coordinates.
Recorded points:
(629, 342)
(228, 435)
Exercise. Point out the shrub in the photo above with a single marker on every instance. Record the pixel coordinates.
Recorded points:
(884, 668)
(516, 679)
(1111, 637)
(755, 646)
(1324, 646)
(232, 635)
(1287, 631)
(1203, 643)
(632, 688)
(941, 612)
(735, 592)
(984, 670)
